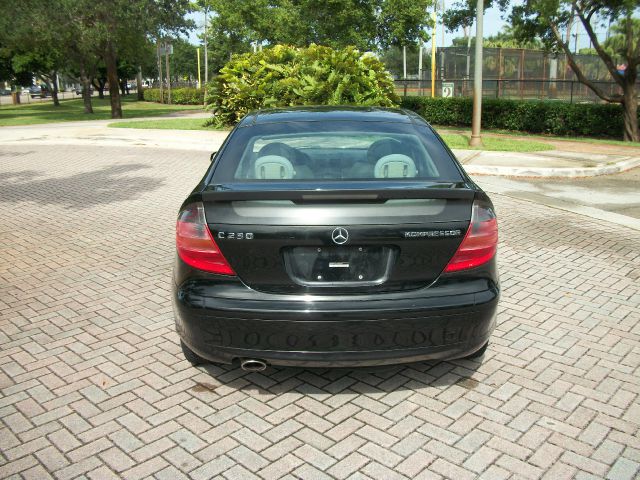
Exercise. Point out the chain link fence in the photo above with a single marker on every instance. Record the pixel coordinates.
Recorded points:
(562, 90)
(511, 73)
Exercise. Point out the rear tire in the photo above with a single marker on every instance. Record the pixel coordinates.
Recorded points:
(478, 353)
(192, 357)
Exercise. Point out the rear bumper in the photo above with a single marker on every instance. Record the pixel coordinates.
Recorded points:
(227, 321)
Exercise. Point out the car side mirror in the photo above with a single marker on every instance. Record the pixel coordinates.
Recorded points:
(213, 156)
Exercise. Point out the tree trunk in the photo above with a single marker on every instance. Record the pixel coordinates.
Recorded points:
(112, 77)
(54, 90)
(15, 94)
(630, 113)
(100, 87)
(86, 91)
(139, 87)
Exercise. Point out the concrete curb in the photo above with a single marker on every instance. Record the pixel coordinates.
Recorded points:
(567, 172)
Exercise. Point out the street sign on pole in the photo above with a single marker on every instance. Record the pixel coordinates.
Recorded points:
(447, 89)
(166, 50)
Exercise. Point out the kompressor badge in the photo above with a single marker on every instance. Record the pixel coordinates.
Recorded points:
(433, 234)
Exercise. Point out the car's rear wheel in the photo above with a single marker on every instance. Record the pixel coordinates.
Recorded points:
(478, 353)
(192, 357)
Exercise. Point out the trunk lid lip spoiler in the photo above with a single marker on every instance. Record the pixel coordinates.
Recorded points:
(364, 191)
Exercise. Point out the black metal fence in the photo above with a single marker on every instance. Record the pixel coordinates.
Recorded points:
(517, 64)
(563, 90)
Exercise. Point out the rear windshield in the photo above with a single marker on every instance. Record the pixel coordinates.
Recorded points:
(319, 151)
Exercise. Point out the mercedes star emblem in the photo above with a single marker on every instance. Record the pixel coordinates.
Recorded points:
(340, 235)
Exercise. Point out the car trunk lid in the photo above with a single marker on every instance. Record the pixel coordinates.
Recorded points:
(348, 240)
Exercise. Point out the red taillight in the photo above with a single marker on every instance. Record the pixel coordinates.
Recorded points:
(481, 241)
(195, 244)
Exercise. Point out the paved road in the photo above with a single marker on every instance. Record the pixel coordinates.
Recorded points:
(615, 198)
(93, 384)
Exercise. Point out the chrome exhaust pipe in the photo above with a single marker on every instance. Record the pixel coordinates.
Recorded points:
(252, 365)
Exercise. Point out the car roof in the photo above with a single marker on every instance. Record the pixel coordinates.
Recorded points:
(330, 114)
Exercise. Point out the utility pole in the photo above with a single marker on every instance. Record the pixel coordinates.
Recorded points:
(420, 66)
(442, 44)
(433, 55)
(199, 79)
(206, 56)
(467, 33)
(166, 59)
(476, 139)
(404, 62)
(442, 18)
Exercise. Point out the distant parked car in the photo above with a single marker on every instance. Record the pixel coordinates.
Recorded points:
(39, 91)
(5, 91)
(78, 90)
(34, 90)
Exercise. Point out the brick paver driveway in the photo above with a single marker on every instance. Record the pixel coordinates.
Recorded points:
(93, 383)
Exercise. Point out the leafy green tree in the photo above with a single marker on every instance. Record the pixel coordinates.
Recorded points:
(365, 24)
(38, 41)
(226, 35)
(45, 65)
(8, 73)
(616, 44)
(503, 39)
(99, 78)
(184, 61)
(126, 71)
(548, 19)
(82, 47)
(463, 12)
(78, 37)
(122, 29)
(401, 22)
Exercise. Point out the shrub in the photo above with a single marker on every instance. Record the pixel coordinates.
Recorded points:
(151, 94)
(285, 76)
(557, 118)
(179, 96)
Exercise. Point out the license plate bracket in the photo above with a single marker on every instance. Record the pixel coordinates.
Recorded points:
(339, 265)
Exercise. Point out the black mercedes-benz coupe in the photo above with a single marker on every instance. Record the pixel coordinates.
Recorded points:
(335, 236)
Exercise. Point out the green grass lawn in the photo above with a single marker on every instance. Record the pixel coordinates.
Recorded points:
(73, 110)
(461, 141)
(165, 124)
(607, 141)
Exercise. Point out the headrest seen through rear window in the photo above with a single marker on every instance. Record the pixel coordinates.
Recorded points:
(273, 167)
(395, 165)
